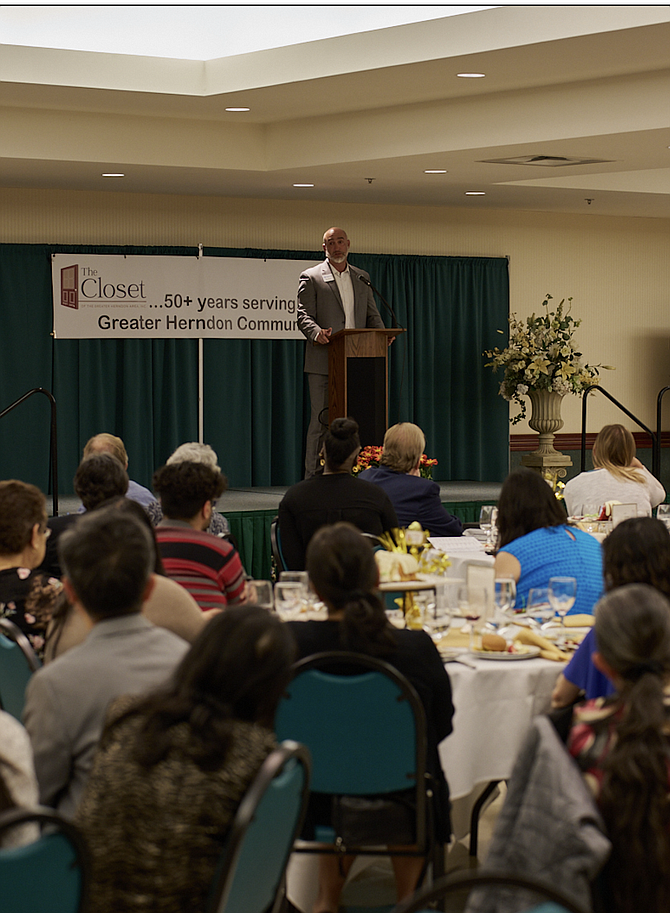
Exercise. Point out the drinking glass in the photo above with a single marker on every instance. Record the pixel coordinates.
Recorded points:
(301, 577)
(504, 597)
(486, 517)
(538, 606)
(562, 595)
(663, 514)
(259, 592)
(289, 599)
(472, 605)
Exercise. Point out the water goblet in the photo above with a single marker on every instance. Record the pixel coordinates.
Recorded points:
(289, 599)
(663, 514)
(562, 595)
(259, 592)
(486, 517)
(472, 603)
(504, 597)
(538, 606)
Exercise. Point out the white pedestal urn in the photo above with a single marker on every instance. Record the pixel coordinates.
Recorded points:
(546, 420)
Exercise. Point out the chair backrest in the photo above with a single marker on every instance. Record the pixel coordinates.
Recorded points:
(49, 875)
(262, 834)
(275, 544)
(490, 886)
(365, 731)
(17, 663)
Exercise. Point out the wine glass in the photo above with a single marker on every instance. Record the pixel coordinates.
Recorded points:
(663, 514)
(472, 602)
(504, 596)
(562, 595)
(259, 592)
(486, 517)
(539, 606)
(436, 617)
(289, 599)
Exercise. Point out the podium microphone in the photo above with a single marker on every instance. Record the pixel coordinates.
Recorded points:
(396, 322)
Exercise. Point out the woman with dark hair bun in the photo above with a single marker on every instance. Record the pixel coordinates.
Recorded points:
(343, 572)
(537, 543)
(173, 766)
(622, 745)
(333, 496)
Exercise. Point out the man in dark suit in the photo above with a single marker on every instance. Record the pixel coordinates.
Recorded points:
(331, 297)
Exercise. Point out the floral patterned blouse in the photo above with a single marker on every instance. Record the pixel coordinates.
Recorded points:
(27, 598)
(593, 735)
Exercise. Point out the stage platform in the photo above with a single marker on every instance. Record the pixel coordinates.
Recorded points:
(250, 512)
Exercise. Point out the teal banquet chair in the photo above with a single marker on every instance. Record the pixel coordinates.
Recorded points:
(491, 891)
(250, 875)
(49, 875)
(364, 725)
(17, 663)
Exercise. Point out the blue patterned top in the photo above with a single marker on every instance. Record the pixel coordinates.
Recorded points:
(559, 551)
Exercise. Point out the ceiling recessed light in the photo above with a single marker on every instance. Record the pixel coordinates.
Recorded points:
(113, 174)
(471, 75)
(435, 171)
(475, 193)
(303, 185)
(238, 110)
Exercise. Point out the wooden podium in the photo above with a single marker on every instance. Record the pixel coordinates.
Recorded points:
(357, 380)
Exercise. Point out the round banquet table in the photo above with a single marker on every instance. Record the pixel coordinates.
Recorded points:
(494, 704)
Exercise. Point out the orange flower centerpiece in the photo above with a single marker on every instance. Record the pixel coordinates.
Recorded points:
(371, 456)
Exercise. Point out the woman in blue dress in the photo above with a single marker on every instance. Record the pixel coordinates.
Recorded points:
(537, 542)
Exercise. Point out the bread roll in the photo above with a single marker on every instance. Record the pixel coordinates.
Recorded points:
(493, 643)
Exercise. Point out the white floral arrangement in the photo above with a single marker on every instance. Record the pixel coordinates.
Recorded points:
(542, 355)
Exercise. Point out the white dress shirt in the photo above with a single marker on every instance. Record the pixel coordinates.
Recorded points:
(346, 290)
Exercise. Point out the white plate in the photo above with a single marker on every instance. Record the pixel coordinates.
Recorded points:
(554, 632)
(506, 657)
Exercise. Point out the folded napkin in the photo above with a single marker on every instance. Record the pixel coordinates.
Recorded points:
(455, 638)
(579, 621)
(547, 649)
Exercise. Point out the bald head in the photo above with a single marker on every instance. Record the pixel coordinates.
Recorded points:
(336, 247)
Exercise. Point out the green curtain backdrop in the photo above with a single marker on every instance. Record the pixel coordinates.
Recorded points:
(255, 399)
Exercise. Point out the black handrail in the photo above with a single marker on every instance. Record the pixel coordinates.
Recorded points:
(656, 465)
(616, 402)
(52, 444)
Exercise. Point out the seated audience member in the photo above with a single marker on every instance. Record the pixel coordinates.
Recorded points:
(18, 786)
(98, 478)
(173, 767)
(617, 475)
(109, 443)
(193, 452)
(333, 496)
(107, 559)
(537, 543)
(343, 572)
(26, 594)
(208, 567)
(413, 497)
(636, 551)
(621, 744)
(169, 605)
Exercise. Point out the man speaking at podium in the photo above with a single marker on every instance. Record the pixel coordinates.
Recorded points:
(332, 296)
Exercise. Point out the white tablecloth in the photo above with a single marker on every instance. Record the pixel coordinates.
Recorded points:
(462, 550)
(494, 705)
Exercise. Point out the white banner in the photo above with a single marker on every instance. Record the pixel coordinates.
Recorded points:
(119, 297)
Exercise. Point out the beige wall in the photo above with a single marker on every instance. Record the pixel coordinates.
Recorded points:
(616, 269)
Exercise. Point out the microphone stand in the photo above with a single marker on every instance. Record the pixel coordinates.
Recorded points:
(396, 322)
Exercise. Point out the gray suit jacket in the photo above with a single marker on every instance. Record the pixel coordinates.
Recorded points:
(67, 700)
(320, 306)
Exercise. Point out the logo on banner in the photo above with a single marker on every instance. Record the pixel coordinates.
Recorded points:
(69, 283)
